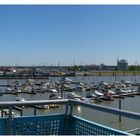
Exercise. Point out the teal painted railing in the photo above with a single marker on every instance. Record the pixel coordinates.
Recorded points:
(58, 124)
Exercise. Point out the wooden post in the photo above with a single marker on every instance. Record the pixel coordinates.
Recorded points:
(21, 112)
(120, 106)
(61, 91)
(34, 112)
(99, 73)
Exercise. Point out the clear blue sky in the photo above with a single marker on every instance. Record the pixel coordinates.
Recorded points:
(91, 34)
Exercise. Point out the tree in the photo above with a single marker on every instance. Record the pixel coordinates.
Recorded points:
(73, 68)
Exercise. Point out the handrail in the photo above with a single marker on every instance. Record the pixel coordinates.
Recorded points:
(133, 130)
(34, 102)
(129, 114)
(70, 102)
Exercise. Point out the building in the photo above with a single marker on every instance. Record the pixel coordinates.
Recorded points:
(89, 67)
(110, 68)
(122, 64)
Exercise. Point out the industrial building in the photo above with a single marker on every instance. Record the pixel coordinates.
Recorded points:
(122, 64)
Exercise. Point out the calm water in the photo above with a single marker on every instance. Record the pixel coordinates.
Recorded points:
(129, 103)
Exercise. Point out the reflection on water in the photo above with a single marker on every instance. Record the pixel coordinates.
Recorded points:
(79, 110)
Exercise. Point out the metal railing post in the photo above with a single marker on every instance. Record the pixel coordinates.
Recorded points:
(67, 122)
(71, 109)
(1, 111)
(67, 109)
(70, 120)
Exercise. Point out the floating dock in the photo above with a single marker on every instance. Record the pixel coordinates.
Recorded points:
(17, 108)
(122, 96)
(48, 106)
(118, 96)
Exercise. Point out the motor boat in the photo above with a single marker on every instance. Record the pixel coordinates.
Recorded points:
(20, 99)
(91, 95)
(41, 106)
(121, 91)
(107, 97)
(127, 83)
(94, 86)
(73, 95)
(104, 84)
(55, 96)
(66, 80)
(96, 92)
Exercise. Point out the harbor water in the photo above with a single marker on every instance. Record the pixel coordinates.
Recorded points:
(128, 103)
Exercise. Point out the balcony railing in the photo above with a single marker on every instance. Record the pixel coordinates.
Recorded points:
(58, 124)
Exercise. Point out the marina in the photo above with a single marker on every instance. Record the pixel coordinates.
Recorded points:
(102, 93)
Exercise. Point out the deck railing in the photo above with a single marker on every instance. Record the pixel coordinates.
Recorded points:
(79, 126)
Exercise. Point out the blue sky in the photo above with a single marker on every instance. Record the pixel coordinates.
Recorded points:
(68, 34)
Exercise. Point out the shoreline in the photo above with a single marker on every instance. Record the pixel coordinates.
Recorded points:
(109, 73)
(83, 73)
